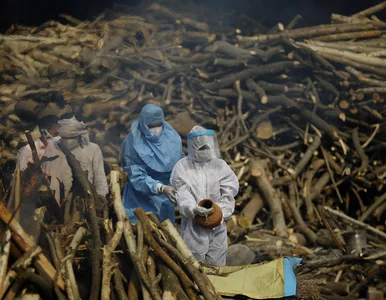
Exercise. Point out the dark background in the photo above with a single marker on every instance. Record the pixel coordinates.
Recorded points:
(34, 12)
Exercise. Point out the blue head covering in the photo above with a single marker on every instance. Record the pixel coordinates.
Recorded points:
(161, 152)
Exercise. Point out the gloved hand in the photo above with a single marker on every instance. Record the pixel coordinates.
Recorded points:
(202, 211)
(169, 192)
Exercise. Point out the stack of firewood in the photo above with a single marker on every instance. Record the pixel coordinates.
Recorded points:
(161, 264)
(299, 111)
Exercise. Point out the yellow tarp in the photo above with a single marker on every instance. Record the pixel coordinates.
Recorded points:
(254, 281)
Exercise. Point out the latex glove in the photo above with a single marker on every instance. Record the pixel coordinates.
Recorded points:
(202, 211)
(169, 192)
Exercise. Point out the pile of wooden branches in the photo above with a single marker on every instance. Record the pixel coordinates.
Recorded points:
(299, 111)
(150, 261)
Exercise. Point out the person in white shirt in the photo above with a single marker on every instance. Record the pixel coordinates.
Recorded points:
(48, 128)
(74, 135)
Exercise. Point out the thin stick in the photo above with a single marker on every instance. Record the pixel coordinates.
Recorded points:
(240, 105)
(324, 152)
(371, 10)
(353, 221)
(17, 193)
(377, 126)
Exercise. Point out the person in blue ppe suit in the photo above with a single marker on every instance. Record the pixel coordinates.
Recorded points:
(204, 175)
(148, 154)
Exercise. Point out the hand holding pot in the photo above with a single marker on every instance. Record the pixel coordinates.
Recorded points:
(202, 211)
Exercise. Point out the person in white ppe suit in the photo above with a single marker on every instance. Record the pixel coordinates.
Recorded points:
(204, 175)
(75, 136)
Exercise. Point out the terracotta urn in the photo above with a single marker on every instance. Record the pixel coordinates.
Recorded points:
(214, 219)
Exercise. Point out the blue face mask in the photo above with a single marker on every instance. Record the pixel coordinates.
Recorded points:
(156, 131)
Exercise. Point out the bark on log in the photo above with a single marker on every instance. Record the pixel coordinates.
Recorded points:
(373, 61)
(307, 156)
(372, 10)
(178, 18)
(312, 32)
(77, 239)
(193, 266)
(171, 286)
(129, 236)
(356, 222)
(5, 245)
(350, 36)
(276, 211)
(26, 243)
(109, 266)
(248, 73)
(252, 208)
(186, 282)
(310, 235)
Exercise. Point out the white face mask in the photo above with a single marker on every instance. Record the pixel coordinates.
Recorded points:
(204, 155)
(156, 131)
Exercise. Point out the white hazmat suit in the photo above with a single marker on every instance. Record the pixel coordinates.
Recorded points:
(203, 175)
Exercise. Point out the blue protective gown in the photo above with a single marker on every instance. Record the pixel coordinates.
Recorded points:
(149, 160)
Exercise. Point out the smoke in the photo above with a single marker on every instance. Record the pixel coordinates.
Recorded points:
(271, 11)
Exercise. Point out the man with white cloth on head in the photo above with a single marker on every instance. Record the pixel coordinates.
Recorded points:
(204, 175)
(75, 136)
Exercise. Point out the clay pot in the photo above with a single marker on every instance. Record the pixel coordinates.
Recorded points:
(214, 219)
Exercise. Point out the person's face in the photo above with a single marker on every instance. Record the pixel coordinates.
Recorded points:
(54, 130)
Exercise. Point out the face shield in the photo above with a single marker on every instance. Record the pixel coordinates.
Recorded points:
(202, 144)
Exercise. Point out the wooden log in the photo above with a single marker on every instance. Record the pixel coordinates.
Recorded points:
(185, 281)
(361, 153)
(345, 46)
(307, 114)
(5, 245)
(362, 66)
(351, 20)
(171, 286)
(252, 208)
(8, 281)
(77, 239)
(373, 61)
(314, 31)
(251, 72)
(108, 265)
(307, 156)
(60, 257)
(26, 243)
(349, 36)
(293, 22)
(193, 266)
(369, 211)
(356, 222)
(310, 235)
(129, 237)
(258, 173)
(253, 86)
(178, 18)
(371, 10)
